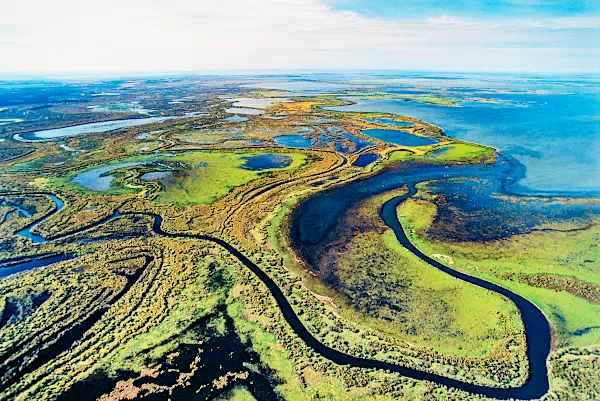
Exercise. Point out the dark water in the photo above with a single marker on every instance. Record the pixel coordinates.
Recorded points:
(14, 268)
(365, 160)
(314, 218)
(266, 161)
(535, 323)
(399, 137)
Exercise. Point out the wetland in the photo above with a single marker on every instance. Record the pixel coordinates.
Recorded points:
(301, 248)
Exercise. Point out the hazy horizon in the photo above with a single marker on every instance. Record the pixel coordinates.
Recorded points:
(137, 37)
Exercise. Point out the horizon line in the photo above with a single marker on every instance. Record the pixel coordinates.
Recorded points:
(268, 71)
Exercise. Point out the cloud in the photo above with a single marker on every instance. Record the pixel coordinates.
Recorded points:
(157, 35)
(444, 19)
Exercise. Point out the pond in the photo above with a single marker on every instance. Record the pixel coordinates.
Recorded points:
(97, 179)
(266, 161)
(365, 160)
(293, 141)
(104, 126)
(390, 121)
(244, 110)
(237, 118)
(399, 137)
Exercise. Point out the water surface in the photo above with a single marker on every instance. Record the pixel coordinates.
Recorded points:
(399, 137)
(555, 136)
(266, 161)
(104, 126)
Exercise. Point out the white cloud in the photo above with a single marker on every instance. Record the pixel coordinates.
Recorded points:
(444, 19)
(155, 35)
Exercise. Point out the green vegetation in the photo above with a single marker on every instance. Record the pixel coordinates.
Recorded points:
(131, 313)
(430, 99)
(404, 297)
(453, 153)
(555, 270)
(198, 177)
(211, 175)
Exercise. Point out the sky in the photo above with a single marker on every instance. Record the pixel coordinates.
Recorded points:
(122, 36)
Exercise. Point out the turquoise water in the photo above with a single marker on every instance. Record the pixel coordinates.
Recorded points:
(555, 137)
(390, 122)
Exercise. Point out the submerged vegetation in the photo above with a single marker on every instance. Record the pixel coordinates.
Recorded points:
(140, 297)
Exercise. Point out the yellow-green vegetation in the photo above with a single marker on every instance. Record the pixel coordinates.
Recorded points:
(459, 152)
(132, 314)
(237, 394)
(404, 297)
(198, 177)
(210, 175)
(430, 99)
(553, 269)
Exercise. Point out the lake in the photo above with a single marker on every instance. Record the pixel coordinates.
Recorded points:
(555, 136)
(104, 126)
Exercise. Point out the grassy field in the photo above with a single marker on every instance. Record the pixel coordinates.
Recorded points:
(404, 297)
(203, 185)
(555, 270)
(195, 177)
(452, 153)
(429, 99)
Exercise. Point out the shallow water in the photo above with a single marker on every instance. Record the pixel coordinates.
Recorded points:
(97, 179)
(399, 137)
(237, 118)
(555, 136)
(244, 110)
(257, 103)
(293, 141)
(266, 161)
(390, 122)
(104, 126)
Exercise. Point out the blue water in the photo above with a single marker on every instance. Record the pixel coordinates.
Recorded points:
(104, 126)
(26, 265)
(365, 160)
(359, 143)
(399, 137)
(237, 118)
(266, 161)
(35, 238)
(293, 141)
(98, 179)
(555, 136)
(390, 121)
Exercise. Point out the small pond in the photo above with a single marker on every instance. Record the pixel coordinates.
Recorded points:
(266, 161)
(365, 160)
(244, 110)
(399, 137)
(293, 141)
(97, 179)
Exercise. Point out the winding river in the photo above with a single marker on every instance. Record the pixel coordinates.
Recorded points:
(332, 204)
